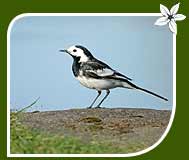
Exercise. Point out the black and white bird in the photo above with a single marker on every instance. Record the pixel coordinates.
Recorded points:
(95, 74)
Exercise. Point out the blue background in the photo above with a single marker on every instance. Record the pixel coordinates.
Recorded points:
(132, 45)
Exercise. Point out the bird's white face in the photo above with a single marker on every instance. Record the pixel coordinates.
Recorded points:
(77, 52)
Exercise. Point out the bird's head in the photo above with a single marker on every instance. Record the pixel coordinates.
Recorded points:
(80, 52)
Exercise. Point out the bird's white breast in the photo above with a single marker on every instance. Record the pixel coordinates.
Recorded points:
(98, 84)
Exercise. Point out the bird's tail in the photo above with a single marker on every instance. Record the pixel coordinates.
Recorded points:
(152, 93)
(127, 84)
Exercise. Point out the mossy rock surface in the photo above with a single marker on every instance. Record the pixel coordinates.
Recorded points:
(90, 120)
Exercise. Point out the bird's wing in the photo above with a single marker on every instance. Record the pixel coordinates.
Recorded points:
(103, 72)
(117, 74)
(98, 69)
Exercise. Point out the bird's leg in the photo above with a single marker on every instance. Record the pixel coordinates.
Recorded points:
(99, 93)
(107, 93)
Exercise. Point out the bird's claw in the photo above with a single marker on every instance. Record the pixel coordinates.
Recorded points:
(89, 107)
(97, 107)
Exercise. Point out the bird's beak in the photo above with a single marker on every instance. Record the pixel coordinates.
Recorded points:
(64, 50)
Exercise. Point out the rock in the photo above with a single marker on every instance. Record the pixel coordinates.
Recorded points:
(118, 126)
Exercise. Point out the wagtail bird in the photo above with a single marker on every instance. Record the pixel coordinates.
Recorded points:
(95, 74)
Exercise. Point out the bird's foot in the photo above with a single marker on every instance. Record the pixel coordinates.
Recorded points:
(89, 107)
(97, 107)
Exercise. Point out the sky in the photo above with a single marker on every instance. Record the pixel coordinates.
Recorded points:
(132, 45)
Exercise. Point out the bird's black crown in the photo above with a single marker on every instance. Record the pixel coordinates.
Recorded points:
(86, 51)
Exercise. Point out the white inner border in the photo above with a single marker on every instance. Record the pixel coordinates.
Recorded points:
(85, 155)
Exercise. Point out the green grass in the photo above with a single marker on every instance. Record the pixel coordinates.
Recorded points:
(25, 140)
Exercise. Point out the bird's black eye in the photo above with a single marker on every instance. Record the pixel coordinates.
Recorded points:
(74, 50)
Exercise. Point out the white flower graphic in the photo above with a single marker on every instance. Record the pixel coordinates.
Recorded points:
(170, 17)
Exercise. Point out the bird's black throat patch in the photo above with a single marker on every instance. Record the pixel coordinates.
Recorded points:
(76, 66)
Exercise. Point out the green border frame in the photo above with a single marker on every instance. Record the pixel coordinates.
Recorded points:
(175, 144)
